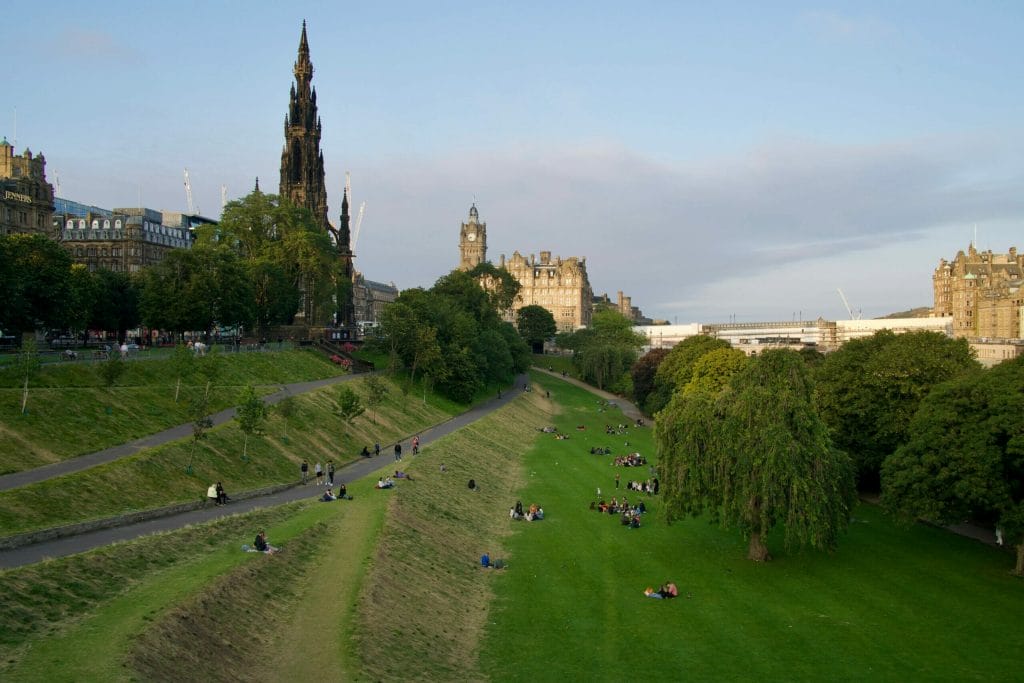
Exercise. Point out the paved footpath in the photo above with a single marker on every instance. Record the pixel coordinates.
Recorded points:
(628, 408)
(83, 462)
(70, 545)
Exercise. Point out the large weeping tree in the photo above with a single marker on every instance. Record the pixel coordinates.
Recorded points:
(754, 455)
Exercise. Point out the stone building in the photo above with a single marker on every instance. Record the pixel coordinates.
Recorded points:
(121, 240)
(472, 241)
(559, 285)
(369, 299)
(624, 305)
(982, 292)
(302, 175)
(26, 199)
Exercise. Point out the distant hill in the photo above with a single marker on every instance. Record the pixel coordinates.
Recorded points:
(920, 312)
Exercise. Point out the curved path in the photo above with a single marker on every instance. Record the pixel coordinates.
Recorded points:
(17, 557)
(83, 462)
(628, 408)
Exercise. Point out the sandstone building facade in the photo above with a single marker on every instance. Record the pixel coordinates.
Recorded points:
(982, 291)
(559, 285)
(26, 199)
(122, 240)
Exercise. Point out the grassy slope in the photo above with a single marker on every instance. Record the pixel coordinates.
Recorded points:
(70, 413)
(157, 477)
(892, 603)
(424, 602)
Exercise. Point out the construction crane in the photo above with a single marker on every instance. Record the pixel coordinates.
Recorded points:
(847, 304)
(188, 193)
(359, 223)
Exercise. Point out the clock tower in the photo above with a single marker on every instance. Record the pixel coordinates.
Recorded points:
(472, 241)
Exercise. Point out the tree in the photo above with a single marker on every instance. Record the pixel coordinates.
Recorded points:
(604, 353)
(111, 369)
(376, 391)
(251, 413)
(712, 371)
(182, 363)
(536, 325)
(349, 405)
(210, 367)
(754, 455)
(37, 290)
(643, 372)
(286, 408)
(501, 286)
(26, 367)
(276, 298)
(869, 390)
(115, 305)
(675, 370)
(199, 411)
(964, 455)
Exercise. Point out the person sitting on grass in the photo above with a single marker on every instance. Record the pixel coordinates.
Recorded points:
(485, 560)
(634, 523)
(669, 590)
(365, 452)
(222, 495)
(328, 496)
(211, 494)
(385, 483)
(262, 545)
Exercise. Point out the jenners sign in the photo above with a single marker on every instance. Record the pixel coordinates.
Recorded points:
(17, 196)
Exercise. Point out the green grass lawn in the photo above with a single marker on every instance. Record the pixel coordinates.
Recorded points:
(890, 604)
(70, 413)
(556, 363)
(156, 477)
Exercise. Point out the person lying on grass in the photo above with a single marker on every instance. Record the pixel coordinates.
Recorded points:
(667, 590)
(402, 475)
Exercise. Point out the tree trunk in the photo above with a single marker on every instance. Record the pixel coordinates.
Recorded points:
(177, 390)
(758, 551)
(24, 396)
(1019, 569)
(245, 447)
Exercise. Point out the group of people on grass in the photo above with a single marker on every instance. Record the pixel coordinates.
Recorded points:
(629, 515)
(534, 513)
(648, 486)
(620, 430)
(600, 450)
(667, 590)
(329, 494)
(631, 460)
(384, 483)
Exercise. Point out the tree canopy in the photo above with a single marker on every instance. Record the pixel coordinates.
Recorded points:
(536, 325)
(604, 353)
(755, 454)
(452, 337)
(869, 389)
(36, 281)
(964, 454)
(676, 368)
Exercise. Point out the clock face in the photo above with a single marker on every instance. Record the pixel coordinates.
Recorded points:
(471, 237)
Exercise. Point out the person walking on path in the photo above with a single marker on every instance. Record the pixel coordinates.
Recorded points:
(330, 472)
(319, 471)
(376, 448)
(416, 445)
(304, 468)
(398, 452)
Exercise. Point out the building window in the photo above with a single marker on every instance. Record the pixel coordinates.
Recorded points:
(106, 224)
(95, 224)
(81, 224)
(71, 225)
(117, 224)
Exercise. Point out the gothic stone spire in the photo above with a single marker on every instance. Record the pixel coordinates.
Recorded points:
(302, 167)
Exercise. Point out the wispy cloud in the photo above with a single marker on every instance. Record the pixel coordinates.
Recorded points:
(835, 26)
(660, 232)
(94, 44)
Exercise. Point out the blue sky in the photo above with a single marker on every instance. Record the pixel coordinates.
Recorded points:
(709, 159)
